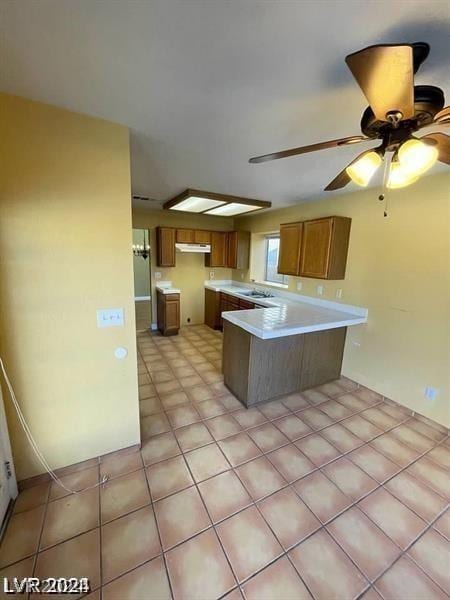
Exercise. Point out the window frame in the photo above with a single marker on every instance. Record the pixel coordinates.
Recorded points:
(284, 278)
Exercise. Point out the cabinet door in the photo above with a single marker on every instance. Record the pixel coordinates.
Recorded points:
(290, 248)
(316, 245)
(245, 304)
(212, 309)
(232, 249)
(185, 236)
(165, 246)
(202, 237)
(218, 256)
(172, 314)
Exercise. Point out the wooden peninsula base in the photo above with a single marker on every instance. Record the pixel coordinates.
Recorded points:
(257, 370)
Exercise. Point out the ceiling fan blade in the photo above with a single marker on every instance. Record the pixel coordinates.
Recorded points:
(339, 181)
(385, 73)
(443, 144)
(442, 116)
(311, 148)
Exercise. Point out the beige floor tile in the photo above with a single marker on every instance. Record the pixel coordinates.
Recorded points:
(31, 497)
(129, 542)
(274, 410)
(77, 481)
(123, 495)
(290, 462)
(325, 569)
(159, 448)
(393, 517)
(314, 397)
(322, 496)
(147, 391)
(248, 542)
(224, 495)
(168, 477)
(352, 480)
(432, 475)
(150, 578)
(412, 438)
(362, 428)
(183, 415)
(367, 395)
(441, 456)
(335, 410)
(150, 406)
(230, 402)
(153, 425)
(78, 557)
(426, 430)
(260, 478)
(416, 495)
(70, 516)
(193, 436)
(239, 448)
(180, 517)
(223, 426)
(279, 581)
(333, 388)
(341, 438)
(432, 553)
(295, 402)
(289, 518)
(210, 408)
(206, 461)
(249, 417)
(373, 463)
(199, 393)
(406, 580)
(21, 569)
(292, 427)
(163, 376)
(317, 449)
(174, 399)
(315, 418)
(352, 402)
(371, 550)
(21, 538)
(201, 552)
(167, 386)
(118, 464)
(267, 437)
(443, 525)
(379, 418)
(393, 449)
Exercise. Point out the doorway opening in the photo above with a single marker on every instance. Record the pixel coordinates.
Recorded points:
(142, 287)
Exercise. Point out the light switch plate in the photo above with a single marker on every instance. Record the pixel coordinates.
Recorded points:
(299, 285)
(319, 290)
(110, 317)
(157, 275)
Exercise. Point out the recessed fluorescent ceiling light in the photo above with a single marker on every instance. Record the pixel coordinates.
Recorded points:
(234, 208)
(196, 204)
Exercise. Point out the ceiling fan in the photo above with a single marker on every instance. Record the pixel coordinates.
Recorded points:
(397, 110)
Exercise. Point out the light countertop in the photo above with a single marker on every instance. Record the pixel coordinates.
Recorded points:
(165, 287)
(288, 314)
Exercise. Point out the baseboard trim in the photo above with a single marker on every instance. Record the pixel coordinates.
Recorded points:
(85, 464)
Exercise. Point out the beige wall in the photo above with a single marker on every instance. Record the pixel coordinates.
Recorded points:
(190, 271)
(399, 268)
(65, 248)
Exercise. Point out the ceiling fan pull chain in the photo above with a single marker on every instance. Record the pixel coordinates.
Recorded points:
(384, 191)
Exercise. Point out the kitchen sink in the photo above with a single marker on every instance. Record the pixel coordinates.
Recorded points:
(257, 294)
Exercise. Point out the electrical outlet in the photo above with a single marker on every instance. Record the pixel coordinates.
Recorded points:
(299, 285)
(157, 275)
(339, 293)
(211, 274)
(319, 290)
(431, 393)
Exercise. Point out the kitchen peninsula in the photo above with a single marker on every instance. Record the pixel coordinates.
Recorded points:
(288, 346)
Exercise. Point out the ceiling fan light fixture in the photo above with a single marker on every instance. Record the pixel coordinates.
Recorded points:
(399, 176)
(362, 170)
(417, 156)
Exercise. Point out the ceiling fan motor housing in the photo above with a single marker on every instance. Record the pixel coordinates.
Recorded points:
(428, 101)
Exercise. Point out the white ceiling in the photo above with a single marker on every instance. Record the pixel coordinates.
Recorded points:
(205, 84)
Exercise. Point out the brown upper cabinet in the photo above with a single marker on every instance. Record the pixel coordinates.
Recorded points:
(238, 249)
(290, 248)
(202, 237)
(325, 247)
(165, 247)
(185, 236)
(218, 255)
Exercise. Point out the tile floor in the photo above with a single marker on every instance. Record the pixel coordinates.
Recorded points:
(332, 493)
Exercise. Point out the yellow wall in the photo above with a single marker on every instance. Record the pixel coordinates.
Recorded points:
(399, 268)
(190, 271)
(65, 250)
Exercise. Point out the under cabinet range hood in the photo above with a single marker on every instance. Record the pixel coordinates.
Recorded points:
(197, 248)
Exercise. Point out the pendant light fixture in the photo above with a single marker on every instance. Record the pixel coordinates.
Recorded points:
(142, 250)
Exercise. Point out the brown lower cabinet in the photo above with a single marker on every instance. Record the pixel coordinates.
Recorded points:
(168, 313)
(218, 302)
